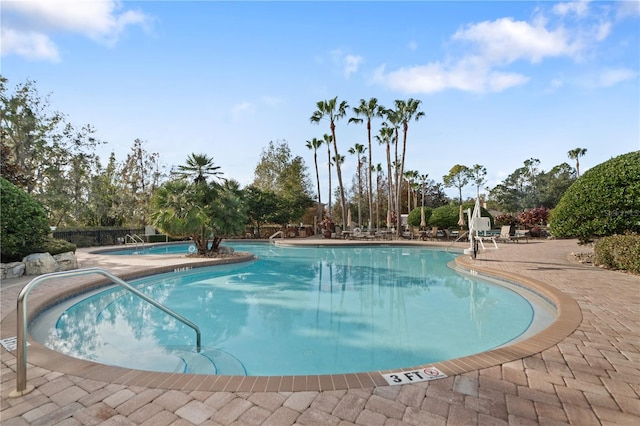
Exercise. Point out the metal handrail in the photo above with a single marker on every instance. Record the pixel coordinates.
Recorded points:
(277, 233)
(21, 358)
(135, 238)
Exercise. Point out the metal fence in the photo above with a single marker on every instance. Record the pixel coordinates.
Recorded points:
(97, 237)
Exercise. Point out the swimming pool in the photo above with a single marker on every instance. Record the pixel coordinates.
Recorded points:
(296, 311)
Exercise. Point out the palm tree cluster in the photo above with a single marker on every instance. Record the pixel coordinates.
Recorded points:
(394, 127)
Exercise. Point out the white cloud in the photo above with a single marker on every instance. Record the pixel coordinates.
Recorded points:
(580, 8)
(240, 110)
(30, 45)
(626, 9)
(611, 77)
(486, 50)
(347, 64)
(271, 100)
(351, 64)
(505, 40)
(467, 75)
(36, 20)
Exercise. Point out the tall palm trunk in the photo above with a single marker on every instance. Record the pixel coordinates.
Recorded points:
(328, 142)
(370, 171)
(339, 172)
(390, 180)
(319, 213)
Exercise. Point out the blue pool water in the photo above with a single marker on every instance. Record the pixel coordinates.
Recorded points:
(295, 311)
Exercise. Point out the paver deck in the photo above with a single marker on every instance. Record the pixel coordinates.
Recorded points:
(591, 376)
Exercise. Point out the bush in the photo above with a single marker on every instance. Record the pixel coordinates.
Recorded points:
(534, 217)
(55, 246)
(24, 223)
(448, 216)
(604, 201)
(415, 216)
(619, 252)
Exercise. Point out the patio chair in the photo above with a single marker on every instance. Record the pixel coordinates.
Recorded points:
(505, 235)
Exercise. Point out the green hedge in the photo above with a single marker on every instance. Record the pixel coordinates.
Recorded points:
(604, 201)
(23, 221)
(415, 216)
(447, 216)
(619, 252)
(55, 246)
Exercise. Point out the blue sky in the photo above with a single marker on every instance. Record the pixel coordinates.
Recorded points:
(500, 82)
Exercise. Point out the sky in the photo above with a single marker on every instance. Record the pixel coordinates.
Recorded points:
(499, 82)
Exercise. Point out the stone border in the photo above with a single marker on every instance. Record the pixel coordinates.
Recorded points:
(568, 318)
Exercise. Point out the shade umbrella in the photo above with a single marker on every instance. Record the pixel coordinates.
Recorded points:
(473, 232)
(388, 218)
(349, 219)
(423, 222)
(461, 221)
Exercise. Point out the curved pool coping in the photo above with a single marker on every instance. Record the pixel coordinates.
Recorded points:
(567, 320)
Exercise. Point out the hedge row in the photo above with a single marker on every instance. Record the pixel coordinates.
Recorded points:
(619, 252)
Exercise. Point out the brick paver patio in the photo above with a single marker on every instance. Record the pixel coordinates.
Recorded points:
(590, 377)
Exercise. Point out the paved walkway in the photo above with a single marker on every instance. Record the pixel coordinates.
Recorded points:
(591, 377)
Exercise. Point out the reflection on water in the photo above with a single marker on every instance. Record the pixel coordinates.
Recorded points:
(302, 311)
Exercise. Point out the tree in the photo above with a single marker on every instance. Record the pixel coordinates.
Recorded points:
(23, 221)
(478, 174)
(520, 190)
(369, 110)
(46, 156)
(262, 207)
(604, 201)
(553, 184)
(314, 144)
(379, 175)
(328, 140)
(140, 176)
(204, 211)
(198, 168)
(286, 176)
(331, 110)
(405, 111)
(358, 150)
(29, 130)
(458, 177)
(411, 176)
(575, 154)
(386, 137)
(104, 199)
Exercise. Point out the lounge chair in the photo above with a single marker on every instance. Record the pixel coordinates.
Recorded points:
(482, 238)
(505, 235)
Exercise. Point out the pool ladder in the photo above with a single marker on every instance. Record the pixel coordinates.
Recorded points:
(21, 356)
(134, 239)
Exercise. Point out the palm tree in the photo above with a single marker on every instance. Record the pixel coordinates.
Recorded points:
(314, 144)
(329, 141)
(359, 149)
(368, 110)
(411, 176)
(333, 111)
(386, 138)
(404, 112)
(575, 154)
(197, 168)
(378, 170)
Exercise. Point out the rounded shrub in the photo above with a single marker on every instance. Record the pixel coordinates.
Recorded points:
(618, 252)
(415, 217)
(23, 221)
(604, 201)
(448, 216)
